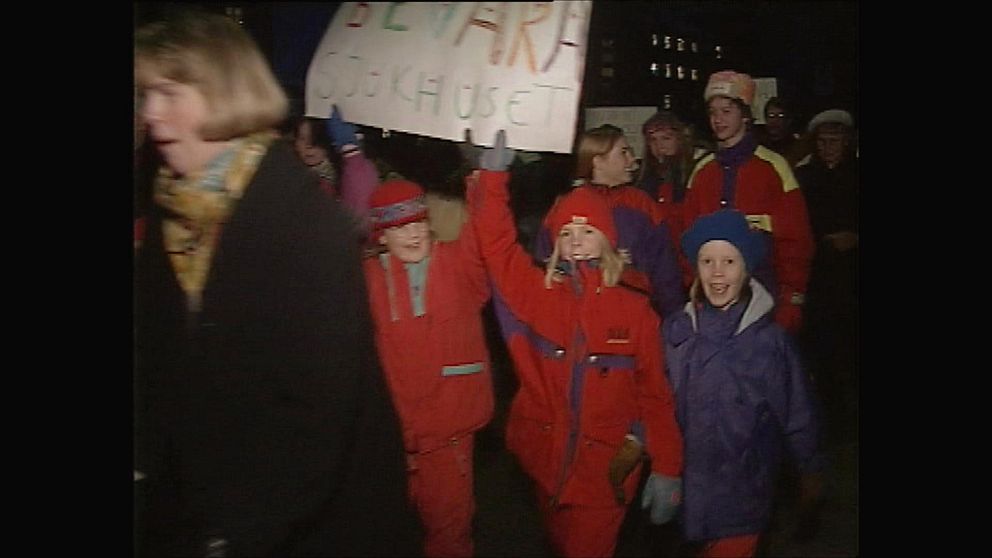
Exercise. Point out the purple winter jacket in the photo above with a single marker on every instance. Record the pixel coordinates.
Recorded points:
(741, 394)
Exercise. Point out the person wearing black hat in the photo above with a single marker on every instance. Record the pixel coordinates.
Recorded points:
(740, 389)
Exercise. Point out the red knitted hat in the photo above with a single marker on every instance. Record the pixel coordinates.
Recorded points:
(582, 206)
(395, 203)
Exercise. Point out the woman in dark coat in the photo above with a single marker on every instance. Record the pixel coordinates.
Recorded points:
(266, 426)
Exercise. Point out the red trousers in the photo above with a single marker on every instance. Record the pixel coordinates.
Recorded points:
(741, 546)
(581, 531)
(440, 484)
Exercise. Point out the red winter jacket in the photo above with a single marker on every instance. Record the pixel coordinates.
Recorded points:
(437, 364)
(589, 361)
(766, 191)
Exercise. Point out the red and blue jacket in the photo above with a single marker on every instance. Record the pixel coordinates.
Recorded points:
(589, 361)
(759, 183)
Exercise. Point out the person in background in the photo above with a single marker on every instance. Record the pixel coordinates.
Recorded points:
(666, 166)
(777, 133)
(830, 183)
(427, 298)
(740, 389)
(759, 183)
(593, 398)
(604, 165)
(315, 139)
(314, 148)
(268, 427)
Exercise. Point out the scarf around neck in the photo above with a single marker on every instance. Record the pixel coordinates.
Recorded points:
(197, 206)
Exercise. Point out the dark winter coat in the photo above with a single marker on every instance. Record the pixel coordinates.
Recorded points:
(268, 421)
(741, 394)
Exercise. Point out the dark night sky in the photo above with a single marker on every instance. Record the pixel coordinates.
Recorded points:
(811, 46)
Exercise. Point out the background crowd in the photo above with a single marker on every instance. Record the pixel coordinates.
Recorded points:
(326, 314)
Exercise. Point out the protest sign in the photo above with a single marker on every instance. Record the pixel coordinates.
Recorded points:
(437, 68)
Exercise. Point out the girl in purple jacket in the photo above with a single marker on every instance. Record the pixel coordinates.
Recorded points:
(741, 393)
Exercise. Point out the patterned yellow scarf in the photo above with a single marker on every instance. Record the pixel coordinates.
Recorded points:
(199, 204)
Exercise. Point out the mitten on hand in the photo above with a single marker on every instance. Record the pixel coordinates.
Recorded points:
(663, 495)
(499, 156)
(341, 133)
(622, 464)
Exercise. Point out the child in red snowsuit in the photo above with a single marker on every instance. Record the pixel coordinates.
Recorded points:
(587, 352)
(426, 299)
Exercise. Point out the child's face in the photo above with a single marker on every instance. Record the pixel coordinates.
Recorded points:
(410, 243)
(615, 167)
(580, 242)
(727, 121)
(311, 154)
(721, 272)
(663, 143)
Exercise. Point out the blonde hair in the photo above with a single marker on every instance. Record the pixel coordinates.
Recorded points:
(592, 143)
(215, 55)
(610, 262)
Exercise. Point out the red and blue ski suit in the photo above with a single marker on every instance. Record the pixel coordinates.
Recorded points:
(591, 370)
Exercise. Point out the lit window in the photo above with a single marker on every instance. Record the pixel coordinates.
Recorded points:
(668, 42)
(668, 102)
(695, 74)
(681, 45)
(654, 68)
(668, 71)
(695, 47)
(719, 52)
(681, 72)
(654, 39)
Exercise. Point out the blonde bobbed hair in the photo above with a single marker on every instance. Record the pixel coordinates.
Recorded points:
(214, 54)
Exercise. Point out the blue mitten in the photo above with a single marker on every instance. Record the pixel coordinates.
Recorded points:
(499, 156)
(663, 495)
(341, 133)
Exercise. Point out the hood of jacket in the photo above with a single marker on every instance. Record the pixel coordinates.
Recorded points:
(761, 304)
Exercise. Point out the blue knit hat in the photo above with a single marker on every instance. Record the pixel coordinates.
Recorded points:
(729, 225)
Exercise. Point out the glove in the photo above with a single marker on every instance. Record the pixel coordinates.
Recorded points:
(789, 316)
(470, 152)
(663, 495)
(341, 133)
(499, 156)
(626, 459)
